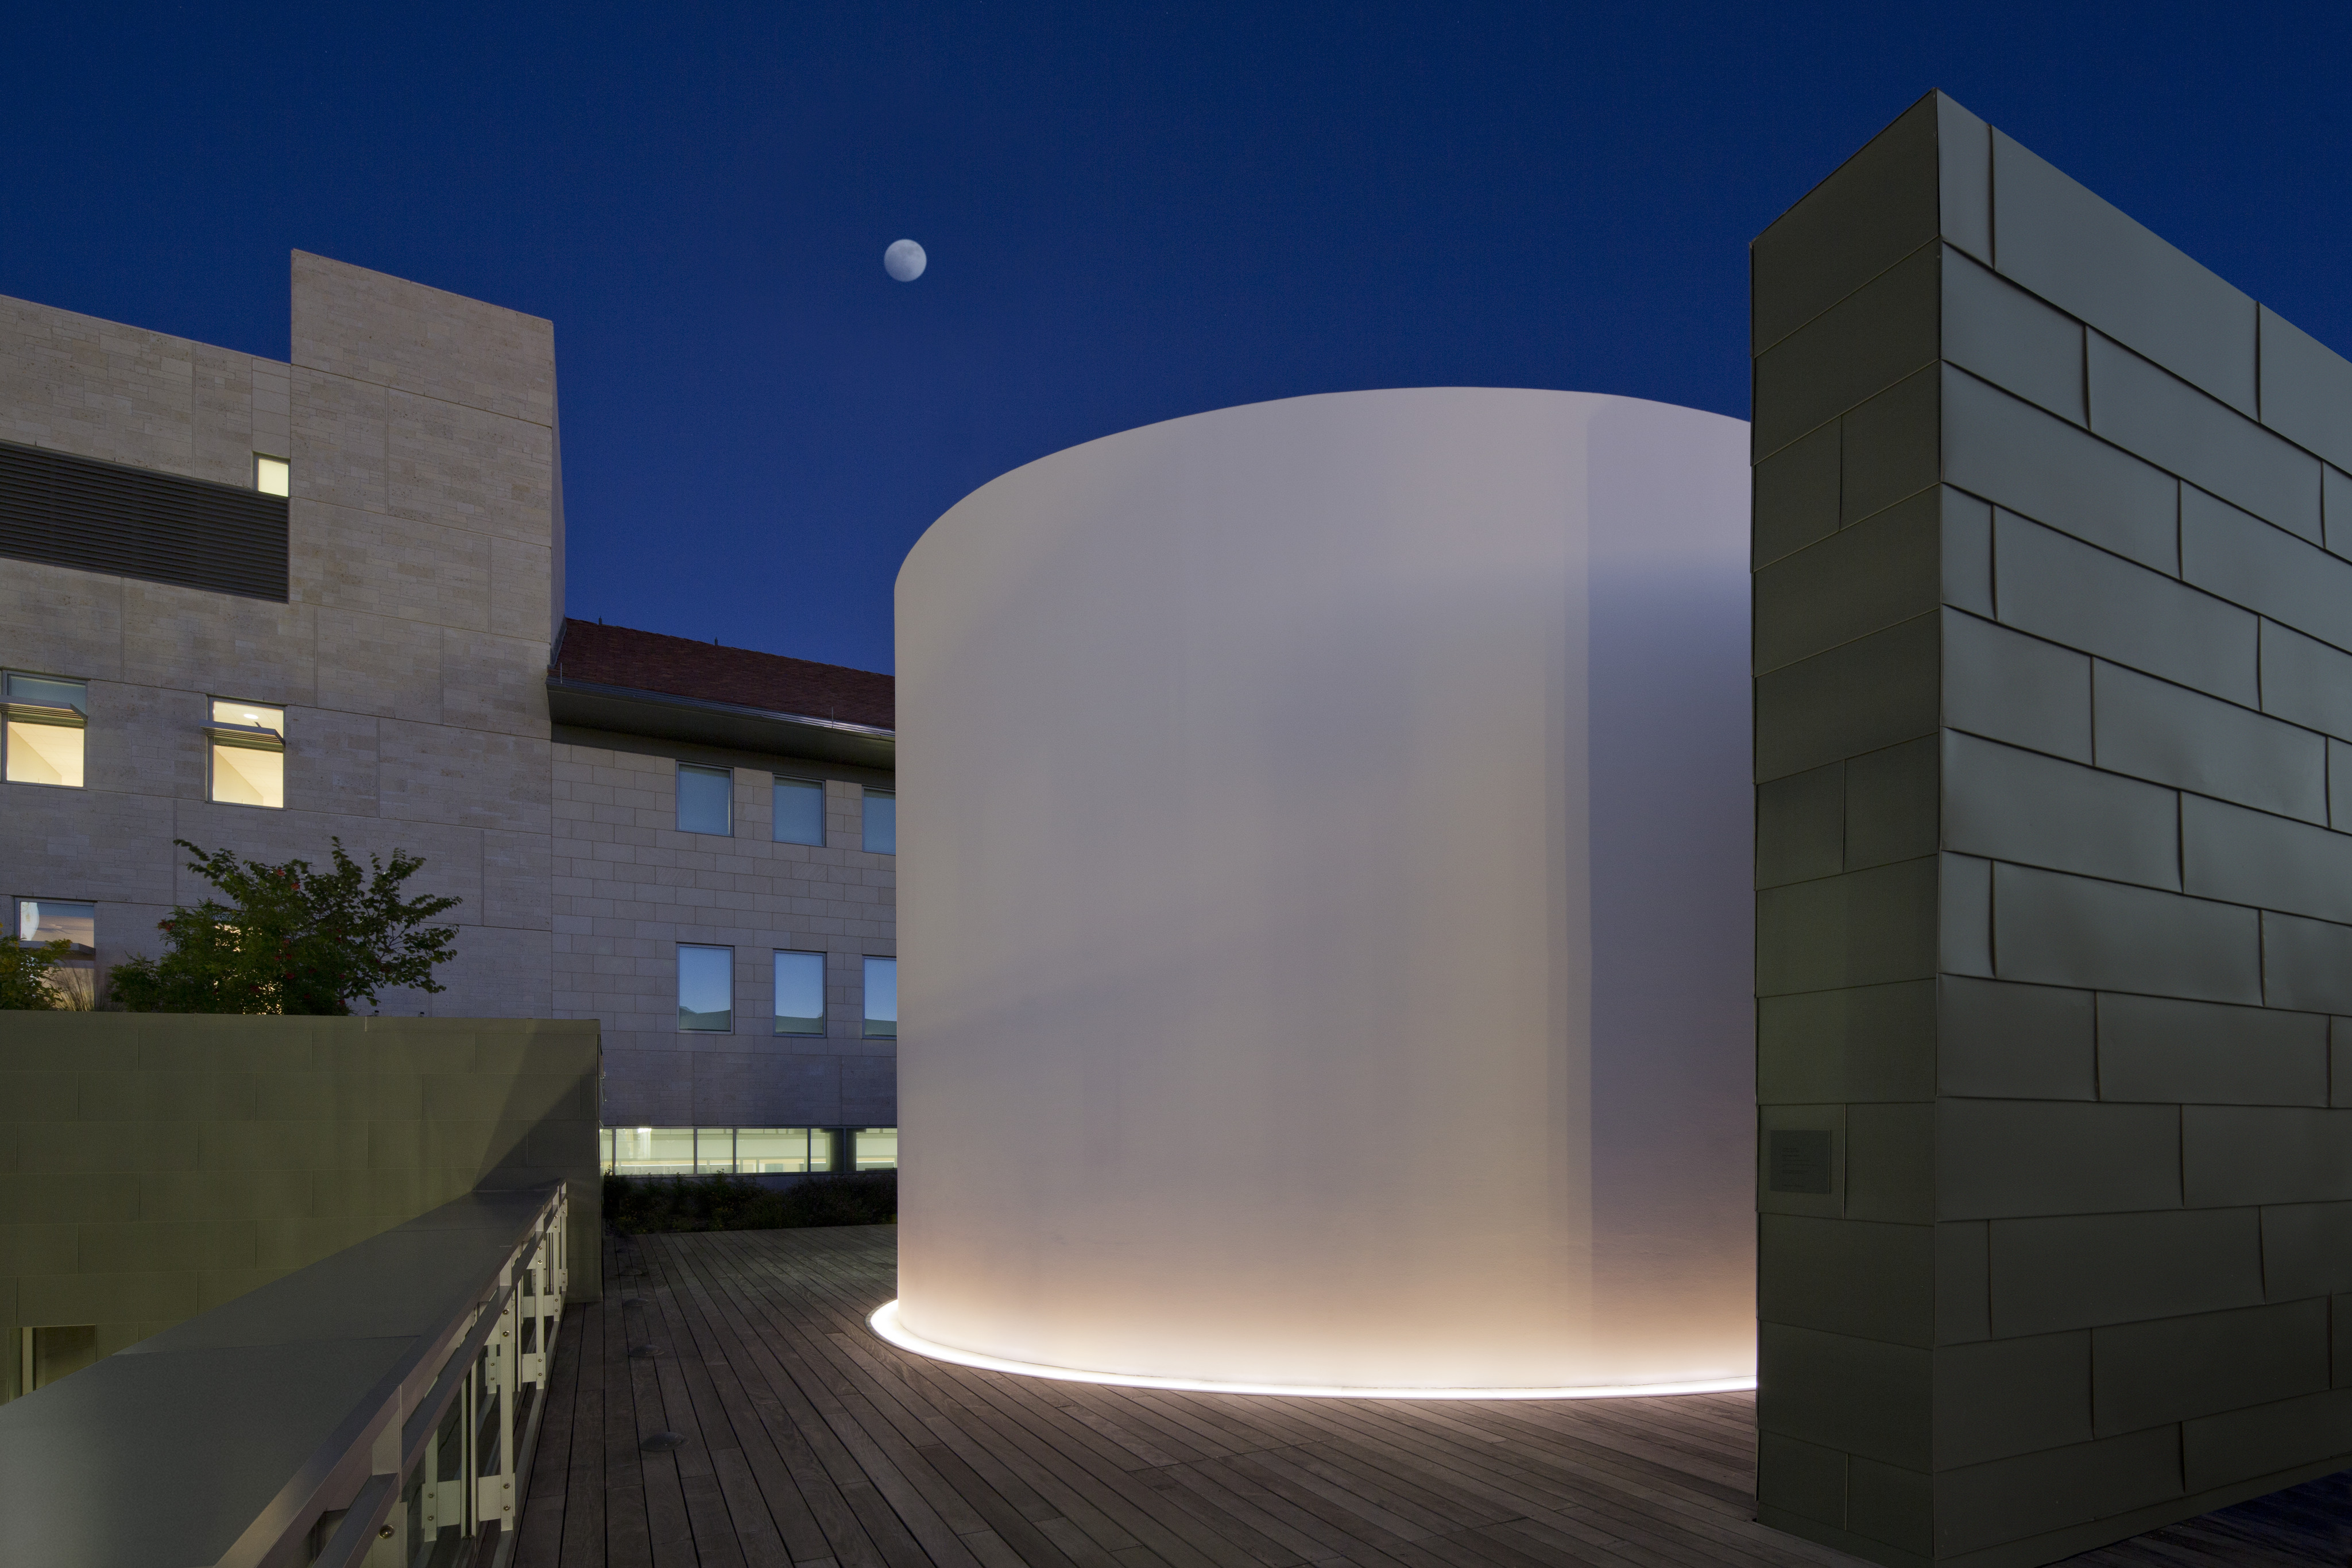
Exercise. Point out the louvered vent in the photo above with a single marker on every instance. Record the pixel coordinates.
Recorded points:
(135, 522)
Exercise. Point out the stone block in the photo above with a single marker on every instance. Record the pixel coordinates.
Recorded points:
(380, 666)
(463, 777)
(468, 468)
(185, 639)
(339, 425)
(73, 618)
(346, 559)
(402, 335)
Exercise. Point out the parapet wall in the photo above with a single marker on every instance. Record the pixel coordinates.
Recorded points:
(154, 1165)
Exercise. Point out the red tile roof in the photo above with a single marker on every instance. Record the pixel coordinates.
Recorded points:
(682, 667)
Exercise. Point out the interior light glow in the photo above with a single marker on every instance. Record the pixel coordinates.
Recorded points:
(885, 1322)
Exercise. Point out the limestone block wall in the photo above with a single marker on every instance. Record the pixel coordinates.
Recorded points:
(2054, 712)
(153, 1166)
(629, 887)
(411, 653)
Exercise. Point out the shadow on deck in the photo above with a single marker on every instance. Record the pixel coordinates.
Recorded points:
(809, 1441)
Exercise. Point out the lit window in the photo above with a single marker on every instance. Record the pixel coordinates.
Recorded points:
(882, 998)
(878, 1148)
(705, 989)
(40, 920)
(800, 993)
(46, 721)
(248, 753)
(772, 1151)
(652, 1151)
(272, 476)
(881, 822)
(706, 799)
(799, 812)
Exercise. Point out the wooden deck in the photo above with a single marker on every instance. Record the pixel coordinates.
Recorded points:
(809, 1441)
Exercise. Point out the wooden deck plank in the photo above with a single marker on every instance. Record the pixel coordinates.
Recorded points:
(812, 1444)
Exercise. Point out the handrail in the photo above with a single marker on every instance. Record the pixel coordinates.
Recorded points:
(304, 1422)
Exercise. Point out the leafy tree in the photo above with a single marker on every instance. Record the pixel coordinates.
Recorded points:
(289, 939)
(25, 968)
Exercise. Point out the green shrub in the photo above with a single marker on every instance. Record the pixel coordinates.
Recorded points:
(291, 940)
(637, 1205)
(28, 974)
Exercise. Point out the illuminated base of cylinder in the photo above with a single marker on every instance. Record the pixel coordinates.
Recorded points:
(885, 1322)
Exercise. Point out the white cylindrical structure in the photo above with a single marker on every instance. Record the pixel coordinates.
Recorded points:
(1326, 913)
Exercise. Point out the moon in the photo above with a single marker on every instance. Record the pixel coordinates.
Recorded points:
(905, 260)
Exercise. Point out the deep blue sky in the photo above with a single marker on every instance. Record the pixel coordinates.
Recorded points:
(1133, 212)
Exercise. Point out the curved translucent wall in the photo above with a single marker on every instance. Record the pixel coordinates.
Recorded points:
(1326, 922)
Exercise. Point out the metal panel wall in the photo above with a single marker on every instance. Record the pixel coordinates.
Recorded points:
(2053, 661)
(111, 517)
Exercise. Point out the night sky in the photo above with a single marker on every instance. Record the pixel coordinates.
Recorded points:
(1132, 212)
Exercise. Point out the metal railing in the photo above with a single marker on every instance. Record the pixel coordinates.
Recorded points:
(378, 1407)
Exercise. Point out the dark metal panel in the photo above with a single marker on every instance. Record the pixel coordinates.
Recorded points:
(2039, 467)
(2153, 729)
(2000, 332)
(1998, 1041)
(2059, 930)
(2051, 586)
(2167, 421)
(2091, 261)
(2306, 390)
(2172, 1052)
(71, 511)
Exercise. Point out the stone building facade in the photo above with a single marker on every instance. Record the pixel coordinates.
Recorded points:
(390, 624)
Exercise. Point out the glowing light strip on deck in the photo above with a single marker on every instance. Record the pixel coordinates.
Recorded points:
(885, 1322)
